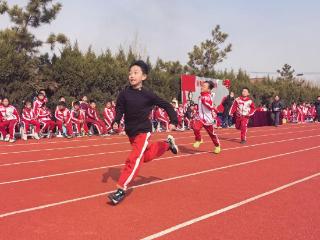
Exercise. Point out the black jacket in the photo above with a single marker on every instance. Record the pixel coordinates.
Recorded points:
(136, 105)
(276, 106)
(317, 105)
(227, 104)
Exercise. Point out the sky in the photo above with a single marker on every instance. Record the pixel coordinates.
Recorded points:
(265, 34)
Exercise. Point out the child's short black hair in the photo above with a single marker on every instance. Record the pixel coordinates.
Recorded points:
(26, 102)
(61, 103)
(210, 84)
(76, 103)
(246, 89)
(92, 101)
(144, 67)
(40, 93)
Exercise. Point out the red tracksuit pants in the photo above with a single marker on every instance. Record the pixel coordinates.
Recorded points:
(11, 125)
(35, 123)
(99, 124)
(81, 126)
(242, 125)
(47, 125)
(68, 126)
(198, 125)
(142, 151)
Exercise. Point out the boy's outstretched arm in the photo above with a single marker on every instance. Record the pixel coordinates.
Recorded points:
(119, 109)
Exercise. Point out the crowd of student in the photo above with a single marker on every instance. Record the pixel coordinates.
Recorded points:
(37, 120)
(83, 119)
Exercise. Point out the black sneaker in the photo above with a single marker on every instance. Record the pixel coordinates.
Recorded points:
(243, 141)
(117, 196)
(173, 147)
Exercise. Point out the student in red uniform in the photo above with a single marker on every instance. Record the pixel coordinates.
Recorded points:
(180, 114)
(205, 118)
(9, 119)
(39, 101)
(93, 118)
(162, 118)
(63, 118)
(244, 108)
(135, 103)
(45, 119)
(78, 119)
(84, 103)
(108, 115)
(29, 117)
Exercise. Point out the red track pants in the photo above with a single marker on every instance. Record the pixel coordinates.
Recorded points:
(68, 126)
(99, 124)
(11, 125)
(142, 151)
(35, 123)
(242, 125)
(198, 125)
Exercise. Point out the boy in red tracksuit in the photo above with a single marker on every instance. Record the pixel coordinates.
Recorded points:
(30, 117)
(63, 117)
(108, 115)
(78, 118)
(9, 119)
(135, 103)
(93, 118)
(244, 108)
(204, 118)
(44, 116)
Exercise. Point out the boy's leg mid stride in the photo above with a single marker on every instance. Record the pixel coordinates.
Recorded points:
(142, 151)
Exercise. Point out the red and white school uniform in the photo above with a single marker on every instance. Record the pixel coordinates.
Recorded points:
(162, 117)
(9, 119)
(244, 109)
(30, 117)
(108, 115)
(78, 119)
(294, 113)
(63, 117)
(180, 114)
(38, 104)
(205, 119)
(44, 116)
(93, 118)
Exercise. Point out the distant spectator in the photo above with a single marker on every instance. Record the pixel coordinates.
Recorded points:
(317, 105)
(276, 108)
(227, 103)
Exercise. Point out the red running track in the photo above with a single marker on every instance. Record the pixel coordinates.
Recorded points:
(267, 189)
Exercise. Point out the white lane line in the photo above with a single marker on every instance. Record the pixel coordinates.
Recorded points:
(125, 142)
(228, 208)
(122, 164)
(7, 214)
(127, 150)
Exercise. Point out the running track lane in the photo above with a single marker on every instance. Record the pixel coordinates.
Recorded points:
(58, 188)
(48, 166)
(154, 207)
(292, 213)
(36, 146)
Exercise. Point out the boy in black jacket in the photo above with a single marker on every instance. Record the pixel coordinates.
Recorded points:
(136, 103)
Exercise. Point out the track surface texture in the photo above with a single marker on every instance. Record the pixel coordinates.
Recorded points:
(266, 189)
